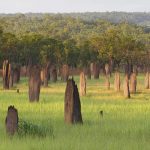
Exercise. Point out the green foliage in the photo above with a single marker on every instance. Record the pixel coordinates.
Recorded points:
(9, 48)
(51, 50)
(71, 52)
(122, 43)
(31, 44)
(35, 39)
(86, 53)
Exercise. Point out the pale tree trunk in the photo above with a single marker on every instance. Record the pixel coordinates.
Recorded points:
(82, 84)
(126, 87)
(65, 72)
(42, 76)
(117, 82)
(107, 70)
(147, 78)
(133, 83)
(6, 74)
(34, 84)
(10, 76)
(72, 105)
(135, 70)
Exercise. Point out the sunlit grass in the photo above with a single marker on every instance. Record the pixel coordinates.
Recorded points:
(125, 124)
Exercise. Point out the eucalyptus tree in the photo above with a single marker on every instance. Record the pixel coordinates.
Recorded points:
(69, 58)
(99, 55)
(10, 55)
(31, 46)
(85, 57)
(51, 57)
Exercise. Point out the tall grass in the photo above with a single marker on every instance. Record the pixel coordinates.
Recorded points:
(125, 124)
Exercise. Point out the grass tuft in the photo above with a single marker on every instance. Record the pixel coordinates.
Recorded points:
(26, 128)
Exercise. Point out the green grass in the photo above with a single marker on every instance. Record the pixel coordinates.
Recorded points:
(125, 125)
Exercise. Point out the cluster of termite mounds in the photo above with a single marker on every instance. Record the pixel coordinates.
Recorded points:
(40, 76)
(72, 104)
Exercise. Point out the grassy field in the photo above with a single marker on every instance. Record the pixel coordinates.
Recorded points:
(124, 126)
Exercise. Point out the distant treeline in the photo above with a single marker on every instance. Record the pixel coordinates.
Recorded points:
(74, 39)
(139, 18)
(69, 23)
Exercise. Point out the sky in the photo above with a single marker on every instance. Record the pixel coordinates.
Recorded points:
(59, 6)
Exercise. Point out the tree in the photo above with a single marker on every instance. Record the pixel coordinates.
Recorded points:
(31, 54)
(51, 56)
(10, 54)
(85, 57)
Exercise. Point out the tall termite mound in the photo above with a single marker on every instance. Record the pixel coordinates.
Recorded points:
(34, 83)
(72, 105)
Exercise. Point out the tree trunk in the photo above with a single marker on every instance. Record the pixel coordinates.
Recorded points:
(6, 74)
(96, 70)
(45, 77)
(59, 72)
(28, 67)
(147, 77)
(16, 76)
(72, 108)
(82, 84)
(65, 72)
(135, 70)
(126, 87)
(107, 82)
(117, 82)
(11, 121)
(34, 83)
(88, 73)
(11, 74)
(46, 73)
(111, 66)
(133, 83)
(107, 70)
(42, 77)
(128, 69)
(53, 74)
